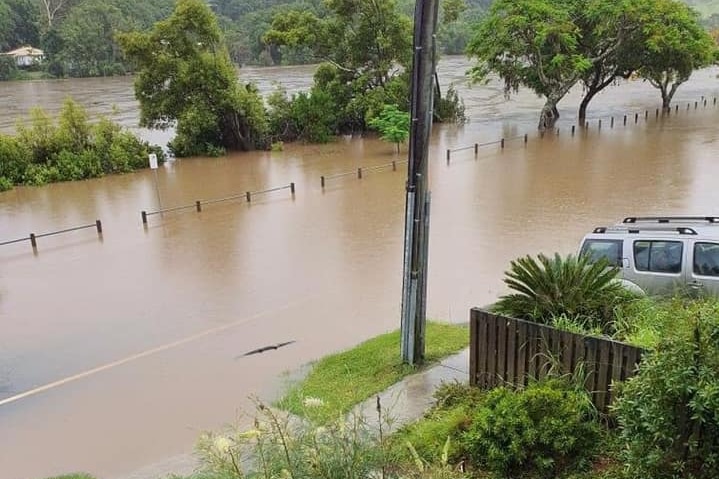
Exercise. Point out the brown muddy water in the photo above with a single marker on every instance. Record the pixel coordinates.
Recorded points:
(116, 353)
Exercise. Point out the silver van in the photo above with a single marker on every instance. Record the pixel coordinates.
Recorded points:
(661, 254)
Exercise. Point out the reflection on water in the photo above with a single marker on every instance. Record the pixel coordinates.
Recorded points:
(168, 309)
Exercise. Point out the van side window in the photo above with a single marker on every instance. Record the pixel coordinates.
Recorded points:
(600, 248)
(706, 259)
(658, 256)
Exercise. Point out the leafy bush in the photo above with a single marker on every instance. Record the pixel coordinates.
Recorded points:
(392, 124)
(5, 184)
(669, 412)
(72, 149)
(544, 431)
(308, 117)
(14, 159)
(572, 287)
(450, 108)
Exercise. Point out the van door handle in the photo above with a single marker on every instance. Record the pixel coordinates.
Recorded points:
(696, 285)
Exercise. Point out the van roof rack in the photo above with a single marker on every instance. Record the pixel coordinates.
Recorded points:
(682, 230)
(669, 219)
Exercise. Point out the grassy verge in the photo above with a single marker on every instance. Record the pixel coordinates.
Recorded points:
(345, 379)
(73, 476)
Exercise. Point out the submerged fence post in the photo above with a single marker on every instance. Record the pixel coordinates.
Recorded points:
(625, 120)
(449, 152)
(611, 123)
(636, 117)
(476, 149)
(359, 173)
(322, 181)
(394, 165)
(600, 124)
(502, 143)
(525, 138)
(696, 104)
(586, 125)
(292, 188)
(573, 130)
(144, 217)
(646, 114)
(248, 195)
(657, 114)
(676, 109)
(98, 225)
(198, 206)
(33, 241)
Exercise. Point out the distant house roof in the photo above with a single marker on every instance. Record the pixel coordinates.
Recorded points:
(25, 52)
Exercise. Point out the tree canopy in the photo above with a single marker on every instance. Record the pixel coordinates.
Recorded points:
(673, 45)
(550, 45)
(185, 77)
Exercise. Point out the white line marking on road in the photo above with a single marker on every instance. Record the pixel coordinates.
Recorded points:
(144, 354)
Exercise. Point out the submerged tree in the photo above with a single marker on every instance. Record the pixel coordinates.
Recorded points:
(185, 78)
(531, 43)
(674, 45)
(392, 124)
(366, 48)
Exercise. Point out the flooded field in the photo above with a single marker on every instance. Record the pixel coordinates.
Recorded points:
(115, 352)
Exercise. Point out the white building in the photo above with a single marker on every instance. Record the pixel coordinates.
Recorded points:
(26, 56)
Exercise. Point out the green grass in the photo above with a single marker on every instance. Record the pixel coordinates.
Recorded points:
(73, 476)
(345, 379)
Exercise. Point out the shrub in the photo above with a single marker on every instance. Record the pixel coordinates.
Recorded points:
(392, 124)
(14, 159)
(572, 287)
(669, 412)
(5, 184)
(543, 431)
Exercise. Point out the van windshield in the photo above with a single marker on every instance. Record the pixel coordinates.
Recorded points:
(603, 248)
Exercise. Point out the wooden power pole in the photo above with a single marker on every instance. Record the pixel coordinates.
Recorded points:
(416, 236)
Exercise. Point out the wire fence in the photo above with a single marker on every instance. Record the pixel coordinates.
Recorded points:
(198, 204)
(32, 237)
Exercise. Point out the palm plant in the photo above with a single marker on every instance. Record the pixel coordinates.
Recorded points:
(571, 287)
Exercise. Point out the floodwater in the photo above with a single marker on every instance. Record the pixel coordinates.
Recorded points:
(116, 352)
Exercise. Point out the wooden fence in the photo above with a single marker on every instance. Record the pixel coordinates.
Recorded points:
(507, 351)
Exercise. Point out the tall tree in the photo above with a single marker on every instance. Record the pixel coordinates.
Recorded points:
(611, 31)
(366, 49)
(87, 34)
(674, 45)
(185, 77)
(52, 9)
(531, 43)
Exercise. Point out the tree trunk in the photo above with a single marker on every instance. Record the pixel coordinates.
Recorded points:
(666, 99)
(549, 115)
(584, 104)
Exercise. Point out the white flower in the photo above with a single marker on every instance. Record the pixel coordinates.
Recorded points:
(222, 444)
(313, 402)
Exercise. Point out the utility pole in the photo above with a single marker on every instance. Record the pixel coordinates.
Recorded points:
(416, 235)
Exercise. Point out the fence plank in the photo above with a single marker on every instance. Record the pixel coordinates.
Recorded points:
(618, 360)
(522, 354)
(602, 384)
(490, 379)
(474, 345)
(567, 352)
(501, 351)
(511, 352)
(483, 352)
(532, 350)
